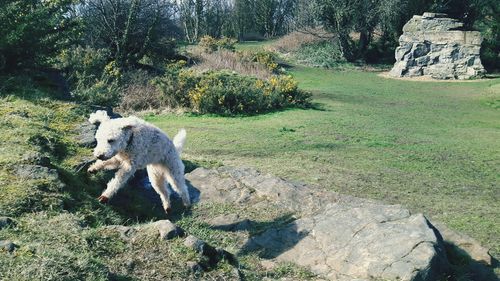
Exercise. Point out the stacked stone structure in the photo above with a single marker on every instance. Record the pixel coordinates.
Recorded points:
(436, 46)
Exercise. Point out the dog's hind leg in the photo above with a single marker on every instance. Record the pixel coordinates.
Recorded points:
(176, 179)
(157, 179)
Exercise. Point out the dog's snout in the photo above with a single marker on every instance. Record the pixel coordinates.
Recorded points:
(101, 157)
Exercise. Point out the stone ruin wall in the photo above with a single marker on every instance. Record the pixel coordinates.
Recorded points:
(433, 45)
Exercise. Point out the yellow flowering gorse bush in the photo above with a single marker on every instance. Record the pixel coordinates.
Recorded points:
(228, 93)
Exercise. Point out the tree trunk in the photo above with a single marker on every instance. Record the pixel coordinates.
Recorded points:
(122, 55)
(364, 40)
(345, 45)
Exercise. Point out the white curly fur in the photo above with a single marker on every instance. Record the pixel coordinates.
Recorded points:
(129, 144)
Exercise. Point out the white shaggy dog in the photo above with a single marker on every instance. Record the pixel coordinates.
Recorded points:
(129, 144)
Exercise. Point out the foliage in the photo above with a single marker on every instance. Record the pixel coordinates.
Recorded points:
(207, 17)
(105, 92)
(239, 62)
(211, 44)
(140, 93)
(84, 65)
(94, 77)
(226, 93)
(33, 31)
(130, 29)
(320, 54)
(296, 39)
(386, 18)
(266, 58)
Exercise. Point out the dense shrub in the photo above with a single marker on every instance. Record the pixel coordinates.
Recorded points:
(93, 77)
(140, 94)
(211, 44)
(266, 58)
(83, 65)
(320, 54)
(104, 92)
(295, 40)
(244, 63)
(227, 93)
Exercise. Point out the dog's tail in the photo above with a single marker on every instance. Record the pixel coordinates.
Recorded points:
(180, 140)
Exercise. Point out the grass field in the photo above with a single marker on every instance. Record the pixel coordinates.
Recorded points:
(433, 147)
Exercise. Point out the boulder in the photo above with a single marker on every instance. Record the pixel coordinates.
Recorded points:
(6, 222)
(436, 46)
(337, 237)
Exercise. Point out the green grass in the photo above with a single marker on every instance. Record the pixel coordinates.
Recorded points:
(60, 228)
(253, 45)
(430, 146)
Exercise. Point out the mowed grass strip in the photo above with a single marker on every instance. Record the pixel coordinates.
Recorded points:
(433, 147)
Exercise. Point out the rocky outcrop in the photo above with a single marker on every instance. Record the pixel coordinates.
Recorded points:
(337, 237)
(434, 45)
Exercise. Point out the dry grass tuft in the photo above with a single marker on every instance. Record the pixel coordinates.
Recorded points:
(293, 41)
(228, 60)
(140, 94)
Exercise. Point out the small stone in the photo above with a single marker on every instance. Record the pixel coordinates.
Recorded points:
(195, 244)
(194, 266)
(7, 245)
(268, 265)
(130, 264)
(6, 222)
(168, 230)
(125, 231)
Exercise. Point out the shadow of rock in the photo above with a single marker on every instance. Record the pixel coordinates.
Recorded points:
(274, 241)
(463, 265)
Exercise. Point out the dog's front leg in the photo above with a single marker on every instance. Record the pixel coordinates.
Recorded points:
(121, 177)
(109, 164)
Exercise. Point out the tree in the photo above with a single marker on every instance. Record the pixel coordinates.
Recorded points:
(339, 16)
(130, 29)
(32, 31)
(365, 17)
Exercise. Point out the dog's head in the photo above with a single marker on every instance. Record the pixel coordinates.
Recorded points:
(113, 135)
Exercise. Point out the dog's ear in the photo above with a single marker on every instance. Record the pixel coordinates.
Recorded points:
(128, 123)
(98, 117)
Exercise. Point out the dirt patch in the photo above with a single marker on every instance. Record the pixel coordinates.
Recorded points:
(430, 79)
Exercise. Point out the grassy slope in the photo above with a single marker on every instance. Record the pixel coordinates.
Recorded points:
(430, 146)
(60, 228)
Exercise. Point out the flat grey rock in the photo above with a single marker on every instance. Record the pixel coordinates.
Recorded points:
(434, 45)
(337, 237)
(125, 232)
(86, 134)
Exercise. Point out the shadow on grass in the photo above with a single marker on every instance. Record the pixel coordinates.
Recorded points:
(137, 202)
(464, 267)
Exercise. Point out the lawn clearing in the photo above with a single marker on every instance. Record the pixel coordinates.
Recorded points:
(430, 146)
